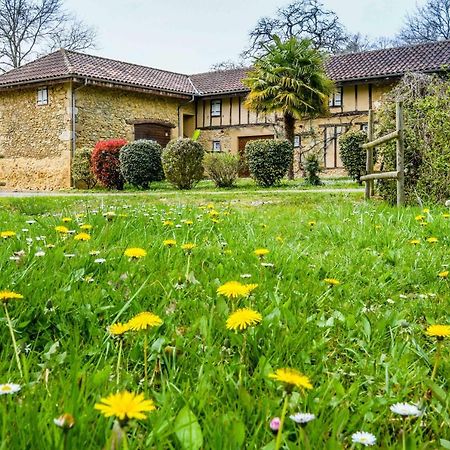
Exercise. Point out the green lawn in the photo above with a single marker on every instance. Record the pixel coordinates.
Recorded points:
(362, 343)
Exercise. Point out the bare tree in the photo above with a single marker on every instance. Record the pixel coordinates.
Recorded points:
(301, 19)
(31, 27)
(227, 65)
(357, 43)
(430, 22)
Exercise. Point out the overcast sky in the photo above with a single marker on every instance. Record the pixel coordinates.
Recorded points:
(188, 36)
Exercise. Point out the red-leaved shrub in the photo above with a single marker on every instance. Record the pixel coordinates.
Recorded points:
(105, 163)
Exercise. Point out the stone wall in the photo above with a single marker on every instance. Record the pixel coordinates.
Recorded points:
(104, 113)
(35, 140)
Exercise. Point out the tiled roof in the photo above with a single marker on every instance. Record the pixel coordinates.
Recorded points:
(220, 82)
(65, 64)
(429, 57)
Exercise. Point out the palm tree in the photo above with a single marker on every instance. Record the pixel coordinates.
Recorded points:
(290, 78)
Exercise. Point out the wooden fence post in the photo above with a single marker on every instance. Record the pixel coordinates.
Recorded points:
(400, 155)
(369, 156)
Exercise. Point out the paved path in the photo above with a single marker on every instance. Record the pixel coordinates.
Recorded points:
(24, 194)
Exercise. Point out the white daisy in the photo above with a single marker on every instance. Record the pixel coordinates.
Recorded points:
(364, 438)
(30, 222)
(100, 260)
(302, 418)
(39, 254)
(9, 388)
(406, 409)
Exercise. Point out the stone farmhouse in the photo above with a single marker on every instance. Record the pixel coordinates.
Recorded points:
(66, 100)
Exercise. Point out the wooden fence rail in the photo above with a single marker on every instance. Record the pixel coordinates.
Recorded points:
(399, 173)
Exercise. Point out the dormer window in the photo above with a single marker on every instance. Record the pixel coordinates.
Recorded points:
(336, 98)
(42, 96)
(216, 108)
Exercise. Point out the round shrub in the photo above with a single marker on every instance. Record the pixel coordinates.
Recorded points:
(222, 168)
(182, 161)
(105, 163)
(352, 155)
(82, 175)
(140, 162)
(268, 160)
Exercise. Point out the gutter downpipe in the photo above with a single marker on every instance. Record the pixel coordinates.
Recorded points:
(73, 131)
(181, 105)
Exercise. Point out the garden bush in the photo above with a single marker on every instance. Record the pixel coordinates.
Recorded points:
(82, 175)
(140, 162)
(427, 138)
(268, 160)
(352, 155)
(312, 169)
(222, 168)
(105, 163)
(182, 161)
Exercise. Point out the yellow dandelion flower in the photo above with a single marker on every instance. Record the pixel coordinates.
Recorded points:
(235, 289)
(443, 274)
(6, 296)
(420, 218)
(432, 240)
(445, 215)
(426, 210)
(210, 205)
(135, 252)
(292, 378)
(85, 226)
(50, 246)
(242, 319)
(213, 213)
(168, 223)
(125, 405)
(214, 220)
(188, 246)
(7, 234)
(423, 224)
(311, 223)
(62, 229)
(66, 219)
(187, 222)
(144, 320)
(414, 241)
(117, 329)
(82, 237)
(261, 252)
(169, 242)
(332, 281)
(439, 331)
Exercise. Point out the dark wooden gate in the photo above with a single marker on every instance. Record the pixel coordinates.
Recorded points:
(242, 141)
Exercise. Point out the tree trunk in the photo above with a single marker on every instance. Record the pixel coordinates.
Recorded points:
(289, 130)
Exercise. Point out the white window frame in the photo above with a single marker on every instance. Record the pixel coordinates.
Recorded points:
(216, 108)
(216, 146)
(336, 100)
(297, 141)
(42, 96)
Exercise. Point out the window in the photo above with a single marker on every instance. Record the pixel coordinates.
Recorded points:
(42, 96)
(297, 141)
(364, 127)
(216, 108)
(216, 147)
(336, 98)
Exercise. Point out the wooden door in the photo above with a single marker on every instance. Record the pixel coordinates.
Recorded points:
(153, 132)
(242, 141)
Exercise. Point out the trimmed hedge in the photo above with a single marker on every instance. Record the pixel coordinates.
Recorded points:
(140, 162)
(105, 163)
(269, 160)
(222, 168)
(352, 155)
(182, 161)
(82, 175)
